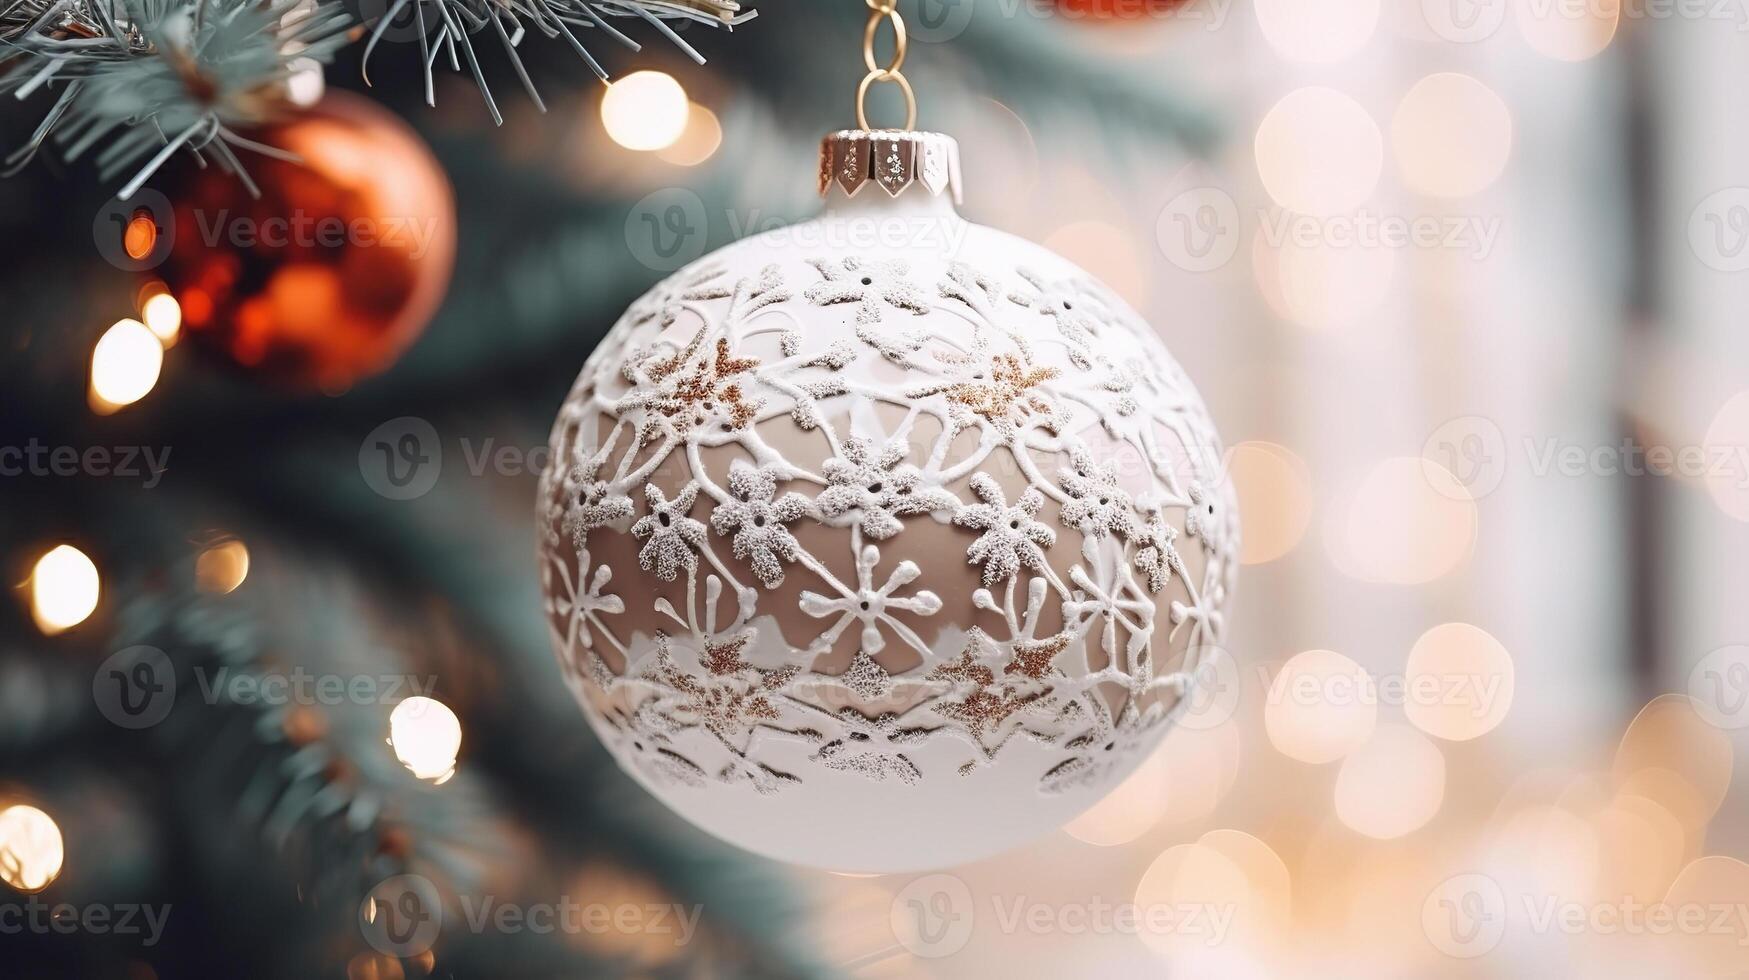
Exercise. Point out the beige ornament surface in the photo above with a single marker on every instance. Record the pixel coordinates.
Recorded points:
(885, 541)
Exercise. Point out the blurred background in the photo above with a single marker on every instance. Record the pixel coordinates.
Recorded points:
(1462, 281)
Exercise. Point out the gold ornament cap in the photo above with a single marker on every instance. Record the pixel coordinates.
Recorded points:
(894, 160)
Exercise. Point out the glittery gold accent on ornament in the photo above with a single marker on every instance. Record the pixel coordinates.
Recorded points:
(1033, 658)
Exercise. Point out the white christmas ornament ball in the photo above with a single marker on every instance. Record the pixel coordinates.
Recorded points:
(885, 541)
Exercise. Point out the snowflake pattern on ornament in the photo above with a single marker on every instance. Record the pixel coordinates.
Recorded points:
(1001, 372)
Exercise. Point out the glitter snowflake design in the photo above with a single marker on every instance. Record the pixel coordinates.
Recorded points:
(1099, 506)
(873, 286)
(1011, 537)
(592, 503)
(672, 539)
(795, 630)
(878, 489)
(756, 517)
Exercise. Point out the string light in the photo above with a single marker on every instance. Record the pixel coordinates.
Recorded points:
(646, 110)
(64, 588)
(1321, 707)
(1318, 152)
(1275, 499)
(163, 316)
(222, 567)
(1460, 681)
(427, 737)
(1391, 786)
(31, 849)
(1317, 33)
(700, 141)
(1451, 135)
(124, 365)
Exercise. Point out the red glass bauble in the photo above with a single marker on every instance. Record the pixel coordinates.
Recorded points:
(330, 274)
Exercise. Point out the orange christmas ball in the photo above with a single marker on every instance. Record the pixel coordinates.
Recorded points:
(329, 275)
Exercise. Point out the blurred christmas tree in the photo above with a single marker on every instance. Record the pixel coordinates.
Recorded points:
(213, 683)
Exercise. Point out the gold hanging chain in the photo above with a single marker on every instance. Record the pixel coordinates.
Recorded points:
(885, 12)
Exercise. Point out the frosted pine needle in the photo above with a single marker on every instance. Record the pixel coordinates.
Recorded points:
(444, 28)
(139, 80)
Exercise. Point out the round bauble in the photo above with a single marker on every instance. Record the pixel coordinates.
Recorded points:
(885, 541)
(338, 265)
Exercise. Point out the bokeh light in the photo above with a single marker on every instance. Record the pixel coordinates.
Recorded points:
(646, 110)
(1451, 135)
(1131, 809)
(1108, 248)
(1670, 735)
(1200, 765)
(1323, 285)
(1317, 33)
(222, 567)
(1728, 479)
(1275, 499)
(163, 316)
(140, 236)
(1408, 522)
(1319, 152)
(1391, 786)
(698, 142)
(31, 849)
(1459, 682)
(1270, 883)
(1189, 876)
(427, 737)
(1643, 846)
(124, 365)
(64, 589)
(1322, 706)
(1569, 31)
(1709, 885)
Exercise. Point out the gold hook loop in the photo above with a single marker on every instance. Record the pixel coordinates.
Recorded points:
(885, 76)
(901, 41)
(885, 11)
